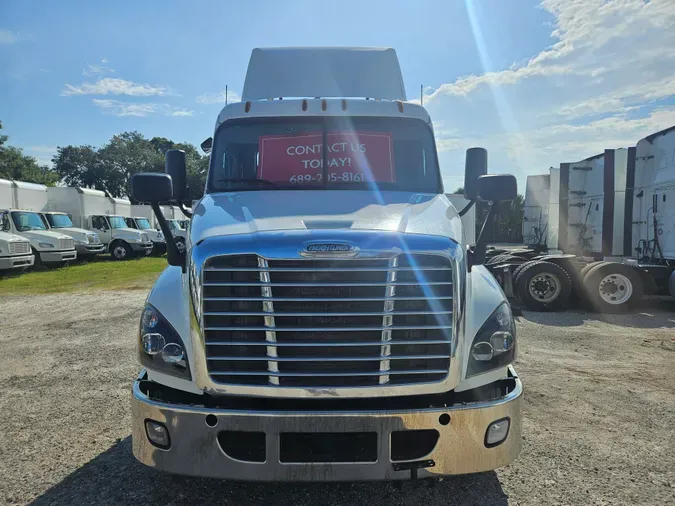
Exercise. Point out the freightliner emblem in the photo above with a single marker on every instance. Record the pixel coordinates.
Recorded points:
(329, 249)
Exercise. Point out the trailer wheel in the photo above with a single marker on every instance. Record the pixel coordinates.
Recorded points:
(543, 286)
(611, 287)
(120, 250)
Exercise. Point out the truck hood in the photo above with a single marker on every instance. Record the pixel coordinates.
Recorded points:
(7, 237)
(44, 236)
(154, 235)
(262, 211)
(128, 233)
(76, 233)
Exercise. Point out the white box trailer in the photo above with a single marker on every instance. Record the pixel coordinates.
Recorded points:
(535, 209)
(20, 215)
(93, 210)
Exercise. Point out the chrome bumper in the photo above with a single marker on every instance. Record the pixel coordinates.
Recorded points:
(195, 450)
(16, 262)
(89, 249)
(57, 256)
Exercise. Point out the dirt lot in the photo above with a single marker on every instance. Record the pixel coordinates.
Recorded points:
(599, 415)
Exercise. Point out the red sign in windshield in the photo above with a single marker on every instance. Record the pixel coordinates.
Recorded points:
(351, 157)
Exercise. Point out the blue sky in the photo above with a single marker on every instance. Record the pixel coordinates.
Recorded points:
(536, 82)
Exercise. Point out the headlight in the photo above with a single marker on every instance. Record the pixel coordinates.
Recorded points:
(495, 343)
(160, 347)
(45, 245)
(77, 241)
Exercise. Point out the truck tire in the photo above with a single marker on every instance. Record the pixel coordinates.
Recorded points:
(180, 244)
(611, 287)
(37, 263)
(120, 250)
(543, 286)
(588, 267)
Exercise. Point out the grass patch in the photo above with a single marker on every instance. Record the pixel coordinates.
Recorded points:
(134, 274)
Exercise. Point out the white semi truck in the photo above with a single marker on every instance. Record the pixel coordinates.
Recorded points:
(611, 233)
(93, 210)
(325, 321)
(20, 204)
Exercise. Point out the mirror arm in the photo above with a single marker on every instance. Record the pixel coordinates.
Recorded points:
(467, 207)
(478, 251)
(185, 211)
(173, 255)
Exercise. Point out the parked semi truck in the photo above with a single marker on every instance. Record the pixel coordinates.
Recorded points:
(611, 232)
(93, 210)
(19, 206)
(325, 320)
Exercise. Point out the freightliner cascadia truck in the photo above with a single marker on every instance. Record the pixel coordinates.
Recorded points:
(325, 320)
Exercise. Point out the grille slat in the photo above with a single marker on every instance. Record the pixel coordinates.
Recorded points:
(327, 322)
(19, 247)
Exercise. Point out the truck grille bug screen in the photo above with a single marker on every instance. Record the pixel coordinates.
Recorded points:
(327, 322)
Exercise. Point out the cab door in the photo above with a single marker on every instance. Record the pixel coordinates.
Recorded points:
(102, 227)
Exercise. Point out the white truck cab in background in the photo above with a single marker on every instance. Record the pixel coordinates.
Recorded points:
(93, 210)
(156, 236)
(15, 251)
(326, 320)
(87, 243)
(20, 206)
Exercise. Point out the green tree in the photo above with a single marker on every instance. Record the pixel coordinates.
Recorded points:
(17, 166)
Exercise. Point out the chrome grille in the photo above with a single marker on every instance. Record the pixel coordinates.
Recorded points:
(327, 323)
(66, 244)
(19, 247)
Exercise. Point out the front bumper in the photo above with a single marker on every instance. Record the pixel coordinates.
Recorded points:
(16, 262)
(57, 256)
(195, 449)
(89, 249)
(158, 248)
(142, 247)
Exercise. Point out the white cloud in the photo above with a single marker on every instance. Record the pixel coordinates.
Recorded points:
(114, 86)
(8, 37)
(93, 70)
(218, 97)
(119, 108)
(43, 154)
(603, 83)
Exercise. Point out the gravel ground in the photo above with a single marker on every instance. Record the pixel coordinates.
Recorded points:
(598, 428)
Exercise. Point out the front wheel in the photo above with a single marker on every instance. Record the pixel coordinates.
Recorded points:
(180, 244)
(121, 251)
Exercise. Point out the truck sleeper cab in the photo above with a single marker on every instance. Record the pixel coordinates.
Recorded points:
(87, 244)
(157, 238)
(121, 241)
(15, 251)
(48, 247)
(326, 320)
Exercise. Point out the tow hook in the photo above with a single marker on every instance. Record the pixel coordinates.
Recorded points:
(414, 466)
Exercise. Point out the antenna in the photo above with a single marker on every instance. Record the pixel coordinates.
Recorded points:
(226, 94)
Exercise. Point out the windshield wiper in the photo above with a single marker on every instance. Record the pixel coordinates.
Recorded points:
(249, 180)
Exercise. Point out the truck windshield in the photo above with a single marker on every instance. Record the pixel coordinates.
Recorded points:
(59, 220)
(325, 153)
(175, 225)
(117, 222)
(143, 223)
(24, 221)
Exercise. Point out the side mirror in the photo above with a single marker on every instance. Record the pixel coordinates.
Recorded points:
(497, 187)
(151, 187)
(175, 167)
(475, 166)
(155, 188)
(207, 145)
